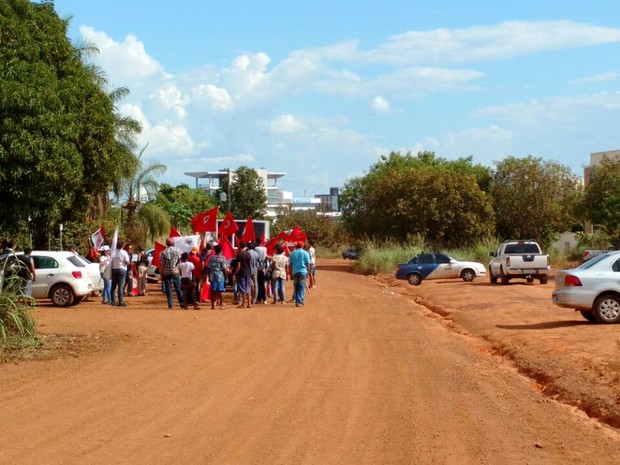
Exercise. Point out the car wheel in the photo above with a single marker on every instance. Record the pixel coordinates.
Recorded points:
(544, 280)
(62, 295)
(607, 309)
(414, 279)
(468, 275)
(529, 280)
(79, 299)
(492, 277)
(588, 316)
(505, 279)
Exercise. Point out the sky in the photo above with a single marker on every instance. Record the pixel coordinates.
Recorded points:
(319, 89)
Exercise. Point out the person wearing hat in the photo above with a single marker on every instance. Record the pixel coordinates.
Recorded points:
(105, 271)
(299, 265)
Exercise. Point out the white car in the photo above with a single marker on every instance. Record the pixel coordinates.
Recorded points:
(592, 288)
(62, 277)
(438, 266)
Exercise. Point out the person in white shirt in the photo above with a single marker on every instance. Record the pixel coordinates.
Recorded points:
(312, 267)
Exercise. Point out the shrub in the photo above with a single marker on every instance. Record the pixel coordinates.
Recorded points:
(17, 326)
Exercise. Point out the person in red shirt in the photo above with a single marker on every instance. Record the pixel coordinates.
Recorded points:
(194, 258)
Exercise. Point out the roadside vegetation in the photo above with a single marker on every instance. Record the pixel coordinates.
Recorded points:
(17, 325)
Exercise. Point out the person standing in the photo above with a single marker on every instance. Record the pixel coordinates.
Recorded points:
(278, 274)
(143, 269)
(217, 276)
(120, 261)
(105, 271)
(130, 272)
(26, 271)
(254, 265)
(243, 273)
(299, 263)
(312, 268)
(169, 259)
(186, 273)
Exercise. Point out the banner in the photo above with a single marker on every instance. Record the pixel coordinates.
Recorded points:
(174, 233)
(185, 243)
(97, 239)
(248, 232)
(206, 221)
(114, 242)
(228, 226)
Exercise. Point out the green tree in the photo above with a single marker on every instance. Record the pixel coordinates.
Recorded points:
(404, 196)
(534, 199)
(182, 203)
(59, 130)
(247, 194)
(602, 196)
(143, 219)
(325, 231)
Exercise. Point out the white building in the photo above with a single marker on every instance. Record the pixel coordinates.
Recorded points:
(211, 181)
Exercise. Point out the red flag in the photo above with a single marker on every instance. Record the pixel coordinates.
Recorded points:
(174, 233)
(159, 248)
(270, 245)
(227, 248)
(248, 232)
(228, 226)
(205, 222)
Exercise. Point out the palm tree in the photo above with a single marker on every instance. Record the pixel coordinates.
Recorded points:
(144, 218)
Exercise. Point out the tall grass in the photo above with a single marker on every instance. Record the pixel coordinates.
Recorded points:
(17, 325)
(383, 257)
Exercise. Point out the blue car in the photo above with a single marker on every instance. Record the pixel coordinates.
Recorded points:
(438, 266)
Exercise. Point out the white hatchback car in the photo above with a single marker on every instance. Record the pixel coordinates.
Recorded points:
(62, 277)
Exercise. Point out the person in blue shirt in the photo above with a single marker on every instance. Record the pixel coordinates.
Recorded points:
(299, 264)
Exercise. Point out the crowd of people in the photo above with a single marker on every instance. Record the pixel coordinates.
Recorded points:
(201, 276)
(253, 275)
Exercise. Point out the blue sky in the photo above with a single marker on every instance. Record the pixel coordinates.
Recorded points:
(319, 90)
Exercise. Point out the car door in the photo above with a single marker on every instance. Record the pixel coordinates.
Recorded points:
(445, 266)
(427, 266)
(46, 269)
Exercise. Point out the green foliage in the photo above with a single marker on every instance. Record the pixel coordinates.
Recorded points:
(17, 326)
(182, 203)
(324, 231)
(534, 199)
(245, 194)
(58, 128)
(602, 196)
(404, 195)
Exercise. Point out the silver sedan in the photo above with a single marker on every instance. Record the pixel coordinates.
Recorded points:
(592, 288)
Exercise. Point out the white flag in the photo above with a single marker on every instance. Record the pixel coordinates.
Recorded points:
(185, 243)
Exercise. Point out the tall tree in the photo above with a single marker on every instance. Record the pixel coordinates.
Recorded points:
(602, 196)
(245, 193)
(533, 198)
(139, 186)
(437, 199)
(58, 127)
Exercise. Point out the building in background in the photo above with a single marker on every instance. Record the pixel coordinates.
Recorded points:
(329, 203)
(212, 181)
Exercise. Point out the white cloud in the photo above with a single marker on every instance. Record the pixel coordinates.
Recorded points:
(126, 60)
(379, 106)
(601, 77)
(285, 124)
(216, 98)
(501, 41)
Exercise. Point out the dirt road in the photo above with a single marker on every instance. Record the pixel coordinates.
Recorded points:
(362, 374)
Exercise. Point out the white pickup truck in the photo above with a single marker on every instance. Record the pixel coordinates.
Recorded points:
(519, 259)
